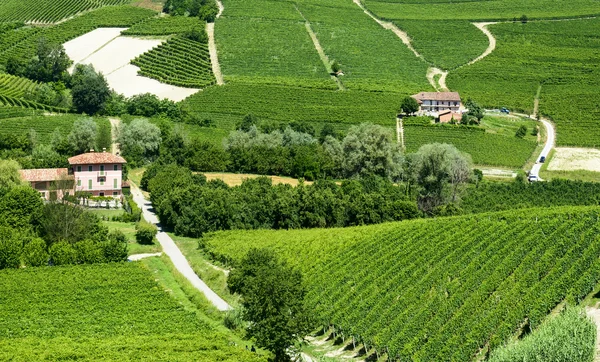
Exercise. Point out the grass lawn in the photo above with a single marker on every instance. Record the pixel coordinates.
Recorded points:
(508, 125)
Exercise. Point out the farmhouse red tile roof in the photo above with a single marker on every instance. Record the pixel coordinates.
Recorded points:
(438, 96)
(96, 158)
(43, 174)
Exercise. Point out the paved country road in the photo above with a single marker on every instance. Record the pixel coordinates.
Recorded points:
(173, 252)
(550, 141)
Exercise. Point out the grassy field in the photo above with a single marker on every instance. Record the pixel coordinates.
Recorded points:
(438, 289)
(43, 125)
(556, 55)
(106, 312)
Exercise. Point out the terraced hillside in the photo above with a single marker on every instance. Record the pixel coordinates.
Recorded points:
(103, 312)
(48, 11)
(438, 289)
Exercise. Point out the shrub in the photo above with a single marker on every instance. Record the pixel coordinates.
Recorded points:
(89, 252)
(233, 319)
(63, 253)
(115, 248)
(10, 249)
(34, 253)
(145, 233)
(132, 212)
(521, 132)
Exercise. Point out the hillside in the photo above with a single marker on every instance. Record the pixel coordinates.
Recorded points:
(105, 312)
(438, 289)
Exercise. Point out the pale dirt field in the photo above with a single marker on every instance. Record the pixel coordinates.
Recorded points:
(111, 54)
(82, 47)
(236, 179)
(572, 159)
(127, 82)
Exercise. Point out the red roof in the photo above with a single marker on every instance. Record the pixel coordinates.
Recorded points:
(437, 96)
(96, 158)
(44, 174)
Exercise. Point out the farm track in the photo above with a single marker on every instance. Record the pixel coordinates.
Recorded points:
(115, 123)
(491, 38)
(212, 47)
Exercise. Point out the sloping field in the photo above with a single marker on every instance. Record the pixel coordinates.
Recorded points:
(561, 56)
(104, 312)
(438, 289)
(48, 11)
(19, 124)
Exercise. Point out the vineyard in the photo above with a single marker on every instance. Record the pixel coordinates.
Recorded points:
(44, 126)
(102, 312)
(179, 61)
(438, 290)
(165, 26)
(49, 11)
(556, 55)
(485, 148)
(24, 43)
(12, 86)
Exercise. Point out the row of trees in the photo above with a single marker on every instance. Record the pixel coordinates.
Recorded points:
(206, 10)
(192, 206)
(35, 234)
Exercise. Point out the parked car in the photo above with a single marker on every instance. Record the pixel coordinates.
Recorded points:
(542, 159)
(504, 110)
(532, 178)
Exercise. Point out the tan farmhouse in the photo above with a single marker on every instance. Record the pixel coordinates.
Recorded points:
(438, 101)
(44, 180)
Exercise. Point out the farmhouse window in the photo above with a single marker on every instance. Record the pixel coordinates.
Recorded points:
(115, 193)
(90, 168)
(78, 182)
(116, 167)
(101, 169)
(89, 184)
(102, 181)
(78, 168)
(114, 183)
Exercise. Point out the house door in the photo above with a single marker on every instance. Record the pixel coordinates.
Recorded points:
(102, 194)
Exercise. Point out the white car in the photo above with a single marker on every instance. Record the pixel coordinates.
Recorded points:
(533, 178)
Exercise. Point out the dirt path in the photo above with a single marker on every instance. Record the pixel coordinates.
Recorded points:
(115, 123)
(440, 84)
(136, 257)
(492, 40)
(594, 313)
(319, 48)
(170, 248)
(212, 47)
(391, 26)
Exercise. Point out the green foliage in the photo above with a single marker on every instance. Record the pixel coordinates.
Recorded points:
(521, 132)
(180, 61)
(21, 207)
(145, 233)
(9, 176)
(569, 337)
(273, 300)
(10, 248)
(139, 141)
(192, 207)
(437, 289)
(83, 135)
(62, 253)
(409, 105)
(149, 105)
(89, 252)
(48, 11)
(34, 253)
(104, 135)
(166, 25)
(115, 247)
(104, 312)
(90, 89)
(69, 223)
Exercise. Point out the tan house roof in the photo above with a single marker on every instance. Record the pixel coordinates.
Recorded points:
(437, 96)
(44, 174)
(96, 158)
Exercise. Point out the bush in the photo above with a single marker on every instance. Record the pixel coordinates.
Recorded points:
(233, 319)
(89, 252)
(521, 132)
(34, 253)
(115, 248)
(569, 337)
(132, 212)
(63, 253)
(145, 233)
(10, 249)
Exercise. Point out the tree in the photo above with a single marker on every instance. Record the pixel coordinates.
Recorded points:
(521, 131)
(475, 110)
(524, 19)
(50, 63)
(10, 248)
(246, 123)
(70, 223)
(104, 136)
(21, 207)
(90, 89)
(273, 300)
(83, 135)
(145, 233)
(335, 67)
(139, 141)
(9, 176)
(409, 105)
(440, 170)
(34, 253)
(370, 149)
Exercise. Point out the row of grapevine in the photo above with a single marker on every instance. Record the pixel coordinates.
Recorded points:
(20, 102)
(17, 87)
(179, 61)
(440, 290)
(48, 11)
(166, 25)
(109, 312)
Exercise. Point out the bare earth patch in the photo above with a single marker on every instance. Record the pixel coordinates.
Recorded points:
(110, 54)
(572, 159)
(236, 179)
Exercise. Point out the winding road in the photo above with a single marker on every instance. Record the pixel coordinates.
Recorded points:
(170, 248)
(550, 142)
